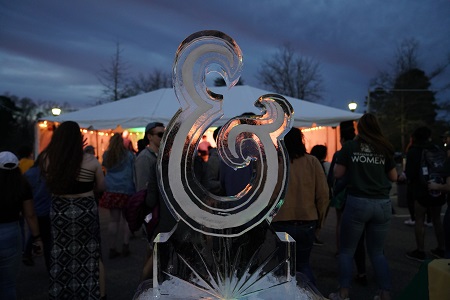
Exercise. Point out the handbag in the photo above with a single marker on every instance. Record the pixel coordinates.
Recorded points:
(136, 213)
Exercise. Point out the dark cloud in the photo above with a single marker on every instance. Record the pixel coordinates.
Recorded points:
(54, 49)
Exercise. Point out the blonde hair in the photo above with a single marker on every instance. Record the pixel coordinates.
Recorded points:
(115, 152)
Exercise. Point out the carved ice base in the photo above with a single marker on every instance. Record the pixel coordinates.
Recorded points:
(259, 264)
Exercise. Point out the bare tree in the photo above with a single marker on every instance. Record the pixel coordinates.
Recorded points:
(113, 76)
(402, 97)
(292, 75)
(18, 117)
(147, 83)
(405, 59)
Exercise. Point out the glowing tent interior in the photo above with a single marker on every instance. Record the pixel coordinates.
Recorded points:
(318, 122)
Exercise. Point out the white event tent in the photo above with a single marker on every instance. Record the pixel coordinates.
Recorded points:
(161, 105)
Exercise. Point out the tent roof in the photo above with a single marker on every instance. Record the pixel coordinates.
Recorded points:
(161, 105)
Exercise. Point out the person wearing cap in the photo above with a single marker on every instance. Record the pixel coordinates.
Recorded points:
(146, 160)
(89, 149)
(16, 198)
(146, 178)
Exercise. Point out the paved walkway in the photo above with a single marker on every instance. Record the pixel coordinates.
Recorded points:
(123, 272)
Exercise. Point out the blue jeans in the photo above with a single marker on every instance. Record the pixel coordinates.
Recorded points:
(304, 240)
(10, 256)
(373, 216)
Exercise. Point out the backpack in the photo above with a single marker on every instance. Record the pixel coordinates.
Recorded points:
(136, 211)
(432, 164)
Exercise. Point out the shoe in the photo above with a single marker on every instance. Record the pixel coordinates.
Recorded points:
(113, 253)
(438, 253)
(361, 280)
(428, 224)
(336, 296)
(126, 250)
(318, 242)
(410, 222)
(416, 255)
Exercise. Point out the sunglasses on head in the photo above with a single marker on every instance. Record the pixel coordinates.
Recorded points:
(159, 134)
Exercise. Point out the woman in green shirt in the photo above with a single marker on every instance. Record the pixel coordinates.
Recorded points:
(368, 161)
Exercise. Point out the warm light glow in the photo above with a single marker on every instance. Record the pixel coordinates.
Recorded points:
(352, 106)
(312, 129)
(56, 111)
(43, 124)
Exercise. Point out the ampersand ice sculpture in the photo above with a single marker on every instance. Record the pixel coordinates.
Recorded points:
(240, 141)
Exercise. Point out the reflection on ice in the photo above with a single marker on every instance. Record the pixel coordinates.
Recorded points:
(293, 290)
(222, 247)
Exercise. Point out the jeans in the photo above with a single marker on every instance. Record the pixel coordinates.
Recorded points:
(10, 256)
(304, 239)
(360, 255)
(373, 216)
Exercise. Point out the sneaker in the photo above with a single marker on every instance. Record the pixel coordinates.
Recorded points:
(410, 222)
(416, 255)
(438, 253)
(428, 224)
(336, 296)
(318, 242)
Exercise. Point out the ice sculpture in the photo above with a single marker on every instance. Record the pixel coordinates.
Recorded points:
(222, 247)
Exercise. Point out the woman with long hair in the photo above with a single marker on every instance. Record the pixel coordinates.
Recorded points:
(16, 198)
(305, 203)
(76, 270)
(119, 164)
(369, 165)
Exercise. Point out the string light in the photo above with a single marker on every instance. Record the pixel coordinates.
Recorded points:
(313, 129)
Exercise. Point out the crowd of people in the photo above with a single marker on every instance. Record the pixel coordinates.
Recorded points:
(59, 195)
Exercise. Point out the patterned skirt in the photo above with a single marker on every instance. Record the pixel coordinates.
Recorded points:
(113, 200)
(74, 267)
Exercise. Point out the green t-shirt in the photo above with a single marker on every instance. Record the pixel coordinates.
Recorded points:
(366, 170)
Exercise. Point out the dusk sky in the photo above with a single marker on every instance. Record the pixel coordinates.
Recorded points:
(52, 50)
